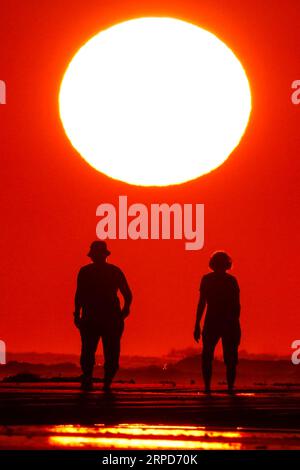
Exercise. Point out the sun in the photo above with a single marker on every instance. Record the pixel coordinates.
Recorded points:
(155, 101)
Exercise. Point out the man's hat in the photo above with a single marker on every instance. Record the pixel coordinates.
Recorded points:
(98, 247)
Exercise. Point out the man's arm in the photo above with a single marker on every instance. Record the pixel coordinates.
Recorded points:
(78, 300)
(127, 295)
(200, 311)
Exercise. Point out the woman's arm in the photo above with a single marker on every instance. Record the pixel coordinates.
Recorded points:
(200, 310)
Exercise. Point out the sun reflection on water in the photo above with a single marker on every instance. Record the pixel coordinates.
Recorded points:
(140, 436)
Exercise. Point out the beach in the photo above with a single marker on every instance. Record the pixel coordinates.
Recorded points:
(59, 416)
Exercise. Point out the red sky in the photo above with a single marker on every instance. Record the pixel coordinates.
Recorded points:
(49, 194)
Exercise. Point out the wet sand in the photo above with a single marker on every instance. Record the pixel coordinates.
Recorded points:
(43, 416)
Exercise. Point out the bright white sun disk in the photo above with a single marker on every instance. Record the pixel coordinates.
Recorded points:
(155, 101)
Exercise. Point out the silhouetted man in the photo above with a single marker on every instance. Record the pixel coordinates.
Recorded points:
(219, 292)
(98, 313)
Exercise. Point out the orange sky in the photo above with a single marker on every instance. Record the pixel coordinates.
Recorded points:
(49, 194)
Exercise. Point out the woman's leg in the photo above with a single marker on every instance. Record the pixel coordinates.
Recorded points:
(230, 343)
(209, 343)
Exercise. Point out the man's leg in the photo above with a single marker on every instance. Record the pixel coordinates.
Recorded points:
(111, 339)
(230, 376)
(209, 344)
(89, 342)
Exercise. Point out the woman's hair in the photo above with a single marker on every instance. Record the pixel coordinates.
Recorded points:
(220, 261)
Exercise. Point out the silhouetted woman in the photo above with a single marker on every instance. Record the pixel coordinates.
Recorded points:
(220, 294)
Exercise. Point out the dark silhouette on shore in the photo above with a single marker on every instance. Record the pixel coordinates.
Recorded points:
(98, 313)
(220, 295)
